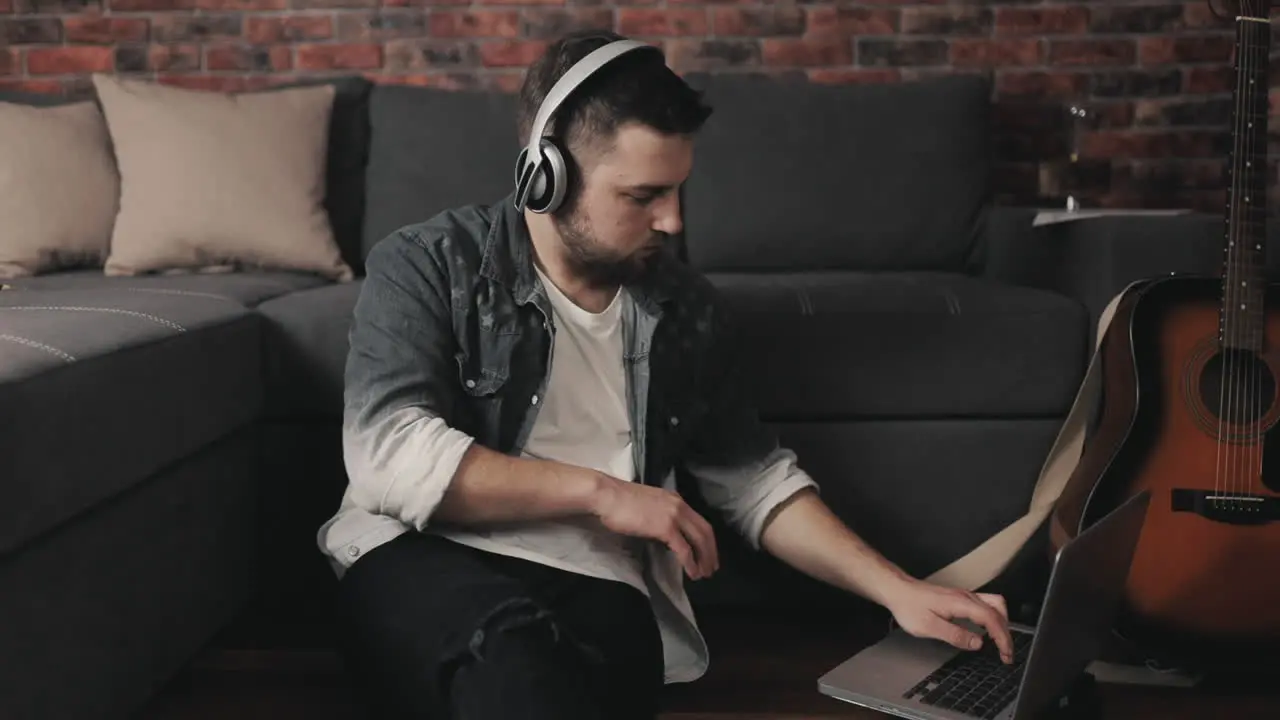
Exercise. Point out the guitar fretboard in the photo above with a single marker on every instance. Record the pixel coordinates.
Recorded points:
(1243, 318)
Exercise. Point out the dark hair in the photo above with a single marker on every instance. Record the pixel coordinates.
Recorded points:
(636, 87)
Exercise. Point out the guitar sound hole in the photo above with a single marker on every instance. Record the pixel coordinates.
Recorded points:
(1236, 386)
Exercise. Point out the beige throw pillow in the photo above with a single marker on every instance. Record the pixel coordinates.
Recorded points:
(213, 181)
(58, 188)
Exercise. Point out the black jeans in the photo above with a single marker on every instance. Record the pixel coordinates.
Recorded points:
(435, 630)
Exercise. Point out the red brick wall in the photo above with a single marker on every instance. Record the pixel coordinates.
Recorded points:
(1155, 75)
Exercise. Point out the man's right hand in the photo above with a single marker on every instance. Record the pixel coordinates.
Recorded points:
(642, 511)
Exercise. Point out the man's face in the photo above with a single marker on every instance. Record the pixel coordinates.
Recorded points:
(628, 204)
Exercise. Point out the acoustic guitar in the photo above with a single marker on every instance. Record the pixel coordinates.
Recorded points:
(1189, 412)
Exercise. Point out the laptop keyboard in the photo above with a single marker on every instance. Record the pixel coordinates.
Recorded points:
(975, 683)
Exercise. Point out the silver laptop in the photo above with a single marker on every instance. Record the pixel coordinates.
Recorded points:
(927, 679)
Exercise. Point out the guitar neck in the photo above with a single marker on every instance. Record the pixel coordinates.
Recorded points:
(1243, 316)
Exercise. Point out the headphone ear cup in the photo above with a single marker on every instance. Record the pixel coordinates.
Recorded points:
(523, 179)
(550, 181)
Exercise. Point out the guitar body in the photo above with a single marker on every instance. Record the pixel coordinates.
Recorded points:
(1196, 425)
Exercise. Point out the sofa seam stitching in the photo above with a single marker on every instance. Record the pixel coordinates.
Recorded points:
(66, 356)
(119, 311)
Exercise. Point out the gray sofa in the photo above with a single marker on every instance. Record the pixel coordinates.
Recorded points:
(170, 444)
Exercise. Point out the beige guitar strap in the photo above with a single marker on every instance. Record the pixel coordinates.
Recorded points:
(985, 562)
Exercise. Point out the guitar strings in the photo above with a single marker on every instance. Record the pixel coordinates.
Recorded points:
(1261, 112)
(1259, 53)
(1240, 375)
(1251, 316)
(1222, 470)
(1250, 438)
(1236, 381)
(1239, 378)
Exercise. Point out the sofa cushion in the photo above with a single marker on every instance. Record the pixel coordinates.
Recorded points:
(256, 196)
(794, 176)
(102, 388)
(247, 288)
(434, 149)
(843, 345)
(306, 351)
(65, 147)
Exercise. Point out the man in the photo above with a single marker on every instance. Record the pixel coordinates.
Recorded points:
(520, 388)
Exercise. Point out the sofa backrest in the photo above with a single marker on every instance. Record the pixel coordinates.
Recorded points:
(799, 176)
(787, 175)
(433, 149)
(349, 138)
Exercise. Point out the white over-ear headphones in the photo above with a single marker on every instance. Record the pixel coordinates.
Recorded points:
(541, 174)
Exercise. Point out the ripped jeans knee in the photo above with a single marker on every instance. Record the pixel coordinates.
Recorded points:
(520, 660)
(524, 615)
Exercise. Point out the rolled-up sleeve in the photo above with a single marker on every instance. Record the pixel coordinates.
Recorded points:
(748, 493)
(740, 467)
(399, 446)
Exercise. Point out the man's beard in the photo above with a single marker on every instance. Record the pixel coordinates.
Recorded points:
(594, 264)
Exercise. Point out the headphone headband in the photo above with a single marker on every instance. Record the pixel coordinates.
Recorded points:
(574, 77)
(531, 157)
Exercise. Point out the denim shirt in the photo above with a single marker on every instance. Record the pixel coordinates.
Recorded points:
(450, 344)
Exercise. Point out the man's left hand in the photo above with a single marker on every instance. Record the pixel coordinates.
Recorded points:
(926, 610)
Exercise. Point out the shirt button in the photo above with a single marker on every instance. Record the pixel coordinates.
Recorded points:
(471, 383)
(534, 400)
(674, 421)
(353, 551)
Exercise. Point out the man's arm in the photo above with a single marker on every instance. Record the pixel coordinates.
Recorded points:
(806, 535)
(490, 487)
(407, 460)
(799, 529)
(744, 472)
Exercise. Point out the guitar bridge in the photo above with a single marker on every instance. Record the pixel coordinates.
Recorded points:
(1227, 507)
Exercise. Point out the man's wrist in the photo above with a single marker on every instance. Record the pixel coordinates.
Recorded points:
(585, 488)
(887, 586)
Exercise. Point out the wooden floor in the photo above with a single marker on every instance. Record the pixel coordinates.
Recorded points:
(759, 671)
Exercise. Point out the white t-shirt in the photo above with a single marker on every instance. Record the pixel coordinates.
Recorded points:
(582, 420)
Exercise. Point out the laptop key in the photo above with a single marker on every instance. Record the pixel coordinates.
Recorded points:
(936, 694)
